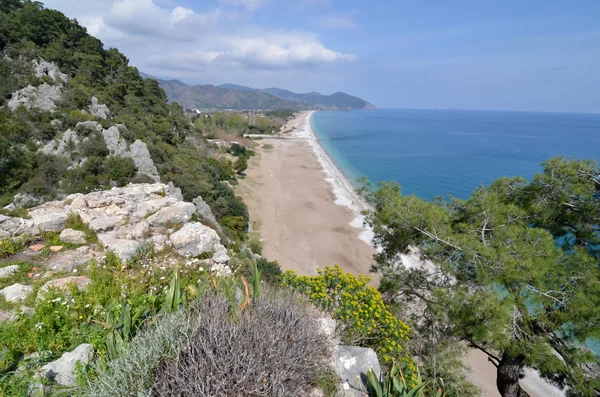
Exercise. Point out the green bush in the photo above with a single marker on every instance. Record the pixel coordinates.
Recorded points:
(119, 169)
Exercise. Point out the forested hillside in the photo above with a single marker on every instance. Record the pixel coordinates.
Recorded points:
(56, 135)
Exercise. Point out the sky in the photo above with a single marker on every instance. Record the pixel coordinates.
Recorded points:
(464, 54)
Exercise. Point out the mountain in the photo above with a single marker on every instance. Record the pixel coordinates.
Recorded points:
(211, 97)
(234, 96)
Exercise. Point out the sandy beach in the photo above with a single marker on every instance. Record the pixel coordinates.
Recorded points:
(308, 214)
(305, 209)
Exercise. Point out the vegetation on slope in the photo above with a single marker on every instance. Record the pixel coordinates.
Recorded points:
(518, 273)
(30, 32)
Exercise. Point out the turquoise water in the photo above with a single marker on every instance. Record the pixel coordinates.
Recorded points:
(451, 152)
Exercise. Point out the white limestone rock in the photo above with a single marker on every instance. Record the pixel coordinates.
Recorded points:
(104, 223)
(16, 292)
(7, 271)
(90, 125)
(72, 236)
(81, 282)
(142, 160)
(62, 370)
(115, 144)
(178, 213)
(43, 97)
(99, 110)
(124, 249)
(51, 222)
(43, 68)
(195, 238)
(351, 364)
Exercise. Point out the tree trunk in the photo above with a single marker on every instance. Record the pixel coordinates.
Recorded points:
(507, 378)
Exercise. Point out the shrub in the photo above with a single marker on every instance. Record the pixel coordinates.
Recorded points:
(120, 169)
(276, 351)
(350, 300)
(270, 270)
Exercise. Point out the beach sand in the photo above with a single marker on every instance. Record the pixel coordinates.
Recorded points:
(309, 216)
(303, 206)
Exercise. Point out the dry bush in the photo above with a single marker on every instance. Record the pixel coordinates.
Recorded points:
(276, 351)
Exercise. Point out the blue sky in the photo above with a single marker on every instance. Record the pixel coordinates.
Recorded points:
(499, 55)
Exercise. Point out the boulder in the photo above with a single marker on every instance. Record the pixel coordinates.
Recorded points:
(61, 147)
(178, 213)
(104, 223)
(124, 249)
(195, 238)
(141, 158)
(351, 364)
(90, 125)
(43, 97)
(8, 271)
(205, 212)
(151, 206)
(99, 110)
(62, 370)
(134, 231)
(67, 261)
(26, 200)
(78, 203)
(14, 227)
(43, 68)
(81, 282)
(16, 292)
(220, 254)
(72, 236)
(51, 222)
(115, 144)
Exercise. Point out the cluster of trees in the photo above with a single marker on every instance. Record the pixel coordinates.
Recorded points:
(514, 272)
(238, 124)
(28, 32)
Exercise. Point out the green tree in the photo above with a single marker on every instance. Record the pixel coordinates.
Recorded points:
(516, 272)
(240, 165)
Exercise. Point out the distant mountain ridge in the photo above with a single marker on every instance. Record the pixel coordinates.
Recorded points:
(233, 96)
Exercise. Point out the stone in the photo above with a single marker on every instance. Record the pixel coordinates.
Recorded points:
(151, 206)
(178, 213)
(56, 248)
(16, 292)
(43, 68)
(8, 271)
(62, 370)
(351, 364)
(7, 316)
(105, 223)
(99, 110)
(195, 238)
(124, 249)
(141, 158)
(160, 242)
(43, 97)
(134, 231)
(327, 326)
(115, 144)
(206, 213)
(79, 203)
(61, 147)
(72, 236)
(220, 254)
(81, 282)
(14, 227)
(26, 200)
(51, 222)
(90, 125)
(36, 247)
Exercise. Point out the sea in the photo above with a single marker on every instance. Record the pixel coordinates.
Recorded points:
(451, 152)
(446, 153)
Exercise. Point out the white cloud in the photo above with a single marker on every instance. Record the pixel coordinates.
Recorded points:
(168, 39)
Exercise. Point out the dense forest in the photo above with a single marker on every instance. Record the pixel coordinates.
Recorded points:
(28, 33)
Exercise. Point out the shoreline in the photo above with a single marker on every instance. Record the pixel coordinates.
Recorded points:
(341, 185)
(306, 210)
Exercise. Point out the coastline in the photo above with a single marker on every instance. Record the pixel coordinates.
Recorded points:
(306, 210)
(342, 187)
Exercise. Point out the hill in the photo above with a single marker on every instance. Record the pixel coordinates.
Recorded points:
(234, 96)
(212, 97)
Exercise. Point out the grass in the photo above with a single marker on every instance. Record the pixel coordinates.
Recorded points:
(75, 222)
(267, 146)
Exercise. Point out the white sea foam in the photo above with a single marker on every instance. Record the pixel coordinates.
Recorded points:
(343, 190)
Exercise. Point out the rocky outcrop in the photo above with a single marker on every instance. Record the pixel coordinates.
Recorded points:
(72, 236)
(99, 110)
(43, 97)
(140, 155)
(138, 152)
(62, 371)
(125, 219)
(195, 238)
(16, 292)
(8, 271)
(90, 125)
(203, 210)
(81, 282)
(63, 146)
(351, 364)
(43, 69)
